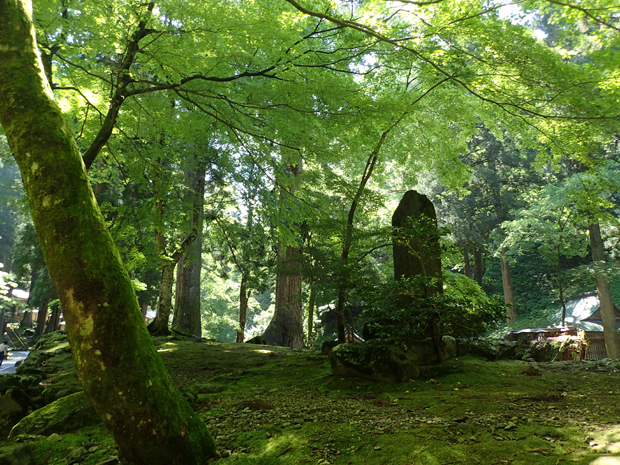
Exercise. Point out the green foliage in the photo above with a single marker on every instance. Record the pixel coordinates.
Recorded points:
(398, 310)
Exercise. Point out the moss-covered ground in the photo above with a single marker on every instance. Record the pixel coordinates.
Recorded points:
(269, 405)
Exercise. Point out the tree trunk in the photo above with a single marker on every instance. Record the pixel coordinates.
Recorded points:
(509, 297)
(311, 304)
(144, 306)
(478, 265)
(114, 357)
(26, 320)
(244, 296)
(612, 342)
(160, 325)
(371, 162)
(54, 322)
(41, 318)
(186, 317)
(466, 260)
(286, 327)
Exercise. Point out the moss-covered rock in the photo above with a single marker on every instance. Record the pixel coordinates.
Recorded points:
(375, 361)
(16, 454)
(489, 348)
(67, 414)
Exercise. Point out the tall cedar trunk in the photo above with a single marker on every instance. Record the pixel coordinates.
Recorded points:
(41, 318)
(509, 296)
(612, 343)
(311, 304)
(114, 357)
(466, 259)
(286, 326)
(186, 317)
(244, 296)
(478, 265)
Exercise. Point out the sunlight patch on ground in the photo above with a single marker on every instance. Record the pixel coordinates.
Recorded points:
(606, 461)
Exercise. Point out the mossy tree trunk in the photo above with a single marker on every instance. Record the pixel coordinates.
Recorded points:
(115, 360)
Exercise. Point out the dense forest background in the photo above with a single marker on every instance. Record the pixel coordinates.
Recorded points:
(301, 135)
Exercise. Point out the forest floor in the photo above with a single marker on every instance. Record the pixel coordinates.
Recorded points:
(270, 405)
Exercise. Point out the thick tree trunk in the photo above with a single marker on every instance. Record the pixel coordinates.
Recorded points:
(286, 327)
(114, 357)
(186, 317)
(244, 296)
(612, 342)
(509, 296)
(41, 318)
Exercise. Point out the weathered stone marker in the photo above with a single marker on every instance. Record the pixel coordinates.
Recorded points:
(417, 252)
(420, 255)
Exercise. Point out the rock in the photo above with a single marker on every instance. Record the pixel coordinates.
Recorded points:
(491, 349)
(74, 454)
(16, 454)
(54, 437)
(450, 347)
(421, 255)
(62, 416)
(375, 361)
(18, 396)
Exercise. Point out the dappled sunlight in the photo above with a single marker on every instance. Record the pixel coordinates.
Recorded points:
(281, 445)
(263, 351)
(606, 461)
(168, 347)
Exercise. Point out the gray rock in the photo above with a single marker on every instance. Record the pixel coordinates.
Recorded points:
(67, 414)
(375, 361)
